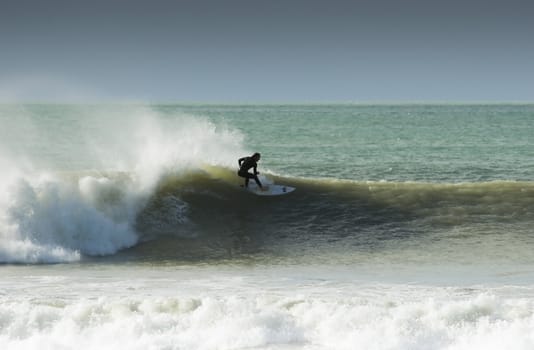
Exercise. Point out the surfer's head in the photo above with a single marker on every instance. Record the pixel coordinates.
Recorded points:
(256, 156)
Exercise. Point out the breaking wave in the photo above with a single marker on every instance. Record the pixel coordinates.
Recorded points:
(202, 212)
(60, 216)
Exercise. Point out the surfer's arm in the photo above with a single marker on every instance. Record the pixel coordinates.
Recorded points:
(241, 160)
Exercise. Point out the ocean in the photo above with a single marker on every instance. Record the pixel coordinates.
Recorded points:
(124, 226)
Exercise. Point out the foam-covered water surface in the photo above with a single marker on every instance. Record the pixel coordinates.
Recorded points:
(263, 308)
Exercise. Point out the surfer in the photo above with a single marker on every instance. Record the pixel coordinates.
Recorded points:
(245, 164)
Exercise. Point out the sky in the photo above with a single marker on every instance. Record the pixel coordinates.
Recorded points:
(250, 51)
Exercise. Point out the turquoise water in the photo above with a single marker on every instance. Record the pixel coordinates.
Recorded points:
(125, 226)
(437, 143)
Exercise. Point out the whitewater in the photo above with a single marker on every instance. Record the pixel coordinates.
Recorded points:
(124, 226)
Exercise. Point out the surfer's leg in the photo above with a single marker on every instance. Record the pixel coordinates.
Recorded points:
(247, 176)
(257, 181)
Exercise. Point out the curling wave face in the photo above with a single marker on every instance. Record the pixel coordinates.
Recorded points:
(331, 216)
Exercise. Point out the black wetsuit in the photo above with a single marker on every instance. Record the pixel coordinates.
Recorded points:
(245, 164)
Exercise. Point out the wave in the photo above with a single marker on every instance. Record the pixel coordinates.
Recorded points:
(204, 211)
(215, 190)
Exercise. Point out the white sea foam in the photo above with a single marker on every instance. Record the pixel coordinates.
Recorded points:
(269, 321)
(52, 220)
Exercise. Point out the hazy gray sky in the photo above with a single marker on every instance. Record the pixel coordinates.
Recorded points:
(267, 51)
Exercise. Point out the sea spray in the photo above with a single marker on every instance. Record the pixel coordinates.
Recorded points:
(64, 215)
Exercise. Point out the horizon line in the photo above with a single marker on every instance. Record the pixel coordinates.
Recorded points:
(267, 103)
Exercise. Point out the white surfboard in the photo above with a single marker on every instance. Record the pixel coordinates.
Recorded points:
(270, 190)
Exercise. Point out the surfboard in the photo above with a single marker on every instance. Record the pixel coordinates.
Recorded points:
(270, 190)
